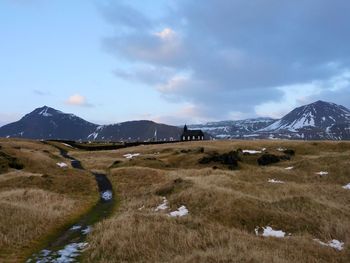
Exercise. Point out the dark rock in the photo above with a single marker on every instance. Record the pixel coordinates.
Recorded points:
(231, 158)
(289, 152)
(267, 159)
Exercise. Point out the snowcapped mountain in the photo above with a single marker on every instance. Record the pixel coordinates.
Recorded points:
(234, 129)
(49, 123)
(318, 120)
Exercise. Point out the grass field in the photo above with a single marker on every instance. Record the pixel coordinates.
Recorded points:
(36, 202)
(225, 205)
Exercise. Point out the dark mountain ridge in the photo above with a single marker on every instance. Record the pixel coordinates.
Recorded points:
(316, 121)
(49, 123)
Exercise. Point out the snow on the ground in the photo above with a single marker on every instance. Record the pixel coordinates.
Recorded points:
(263, 149)
(86, 230)
(66, 144)
(280, 149)
(251, 151)
(181, 211)
(289, 168)
(269, 232)
(347, 186)
(274, 181)
(75, 227)
(131, 155)
(162, 206)
(322, 173)
(62, 165)
(336, 244)
(106, 195)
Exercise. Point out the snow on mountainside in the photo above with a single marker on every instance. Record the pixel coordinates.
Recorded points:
(233, 129)
(48, 123)
(318, 120)
(320, 114)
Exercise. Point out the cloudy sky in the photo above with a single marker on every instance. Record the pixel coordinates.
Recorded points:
(172, 61)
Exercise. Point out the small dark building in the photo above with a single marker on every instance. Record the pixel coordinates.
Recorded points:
(192, 135)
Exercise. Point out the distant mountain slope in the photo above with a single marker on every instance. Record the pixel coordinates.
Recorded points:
(234, 129)
(48, 123)
(136, 131)
(318, 120)
(320, 114)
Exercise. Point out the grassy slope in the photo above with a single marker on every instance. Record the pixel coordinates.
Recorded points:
(225, 206)
(40, 200)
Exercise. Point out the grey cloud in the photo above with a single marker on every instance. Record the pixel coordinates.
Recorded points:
(236, 53)
(123, 16)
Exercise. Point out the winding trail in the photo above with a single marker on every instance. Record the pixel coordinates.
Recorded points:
(68, 245)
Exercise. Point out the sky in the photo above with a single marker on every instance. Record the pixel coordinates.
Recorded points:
(172, 61)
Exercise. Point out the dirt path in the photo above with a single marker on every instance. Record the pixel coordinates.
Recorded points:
(68, 245)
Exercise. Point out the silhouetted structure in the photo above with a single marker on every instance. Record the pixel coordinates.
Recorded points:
(192, 135)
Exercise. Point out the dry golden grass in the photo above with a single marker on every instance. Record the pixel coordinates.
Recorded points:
(40, 199)
(225, 206)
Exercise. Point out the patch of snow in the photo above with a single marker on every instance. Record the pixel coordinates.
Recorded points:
(106, 195)
(269, 232)
(93, 135)
(256, 230)
(280, 149)
(250, 135)
(347, 186)
(62, 165)
(86, 230)
(65, 144)
(273, 181)
(162, 206)
(289, 168)
(251, 151)
(222, 136)
(181, 211)
(322, 173)
(45, 113)
(75, 227)
(141, 208)
(131, 155)
(336, 244)
(263, 149)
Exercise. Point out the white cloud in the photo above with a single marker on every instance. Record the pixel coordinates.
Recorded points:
(166, 34)
(78, 100)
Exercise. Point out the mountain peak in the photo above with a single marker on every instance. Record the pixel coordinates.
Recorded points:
(319, 115)
(44, 111)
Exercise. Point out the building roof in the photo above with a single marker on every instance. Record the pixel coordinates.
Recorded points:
(193, 133)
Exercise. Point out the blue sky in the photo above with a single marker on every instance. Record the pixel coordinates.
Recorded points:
(172, 61)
